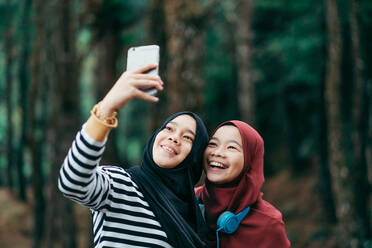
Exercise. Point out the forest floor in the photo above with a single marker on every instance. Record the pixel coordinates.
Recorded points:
(296, 198)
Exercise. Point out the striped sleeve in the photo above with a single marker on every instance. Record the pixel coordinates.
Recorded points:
(79, 179)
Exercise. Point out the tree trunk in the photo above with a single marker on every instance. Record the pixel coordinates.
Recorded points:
(185, 45)
(324, 175)
(9, 58)
(324, 185)
(36, 142)
(368, 150)
(359, 171)
(64, 86)
(108, 53)
(368, 107)
(336, 152)
(8, 48)
(23, 89)
(244, 51)
(157, 35)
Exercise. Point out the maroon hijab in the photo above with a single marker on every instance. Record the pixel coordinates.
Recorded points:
(263, 227)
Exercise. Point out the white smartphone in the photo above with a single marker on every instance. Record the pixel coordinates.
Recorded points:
(141, 56)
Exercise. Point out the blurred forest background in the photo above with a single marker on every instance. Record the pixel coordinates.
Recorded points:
(298, 71)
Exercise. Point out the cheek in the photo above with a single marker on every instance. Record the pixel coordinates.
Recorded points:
(155, 156)
(207, 153)
(155, 149)
(205, 159)
(238, 164)
(187, 149)
(154, 146)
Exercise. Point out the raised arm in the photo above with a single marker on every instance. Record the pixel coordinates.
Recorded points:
(80, 178)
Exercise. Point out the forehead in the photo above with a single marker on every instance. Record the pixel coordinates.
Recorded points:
(225, 133)
(184, 122)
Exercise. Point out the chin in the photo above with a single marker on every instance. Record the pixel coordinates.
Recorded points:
(165, 164)
(215, 180)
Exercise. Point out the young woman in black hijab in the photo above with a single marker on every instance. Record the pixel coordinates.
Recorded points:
(151, 205)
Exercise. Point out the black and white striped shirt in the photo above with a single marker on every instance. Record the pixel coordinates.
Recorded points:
(121, 215)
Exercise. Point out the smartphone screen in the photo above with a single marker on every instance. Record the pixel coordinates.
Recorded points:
(141, 56)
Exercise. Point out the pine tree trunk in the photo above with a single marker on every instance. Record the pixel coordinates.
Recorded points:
(157, 35)
(185, 45)
(23, 89)
(339, 171)
(324, 175)
(368, 150)
(36, 142)
(64, 87)
(244, 51)
(106, 75)
(359, 173)
(8, 48)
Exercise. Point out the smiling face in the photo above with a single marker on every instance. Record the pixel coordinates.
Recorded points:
(224, 157)
(174, 142)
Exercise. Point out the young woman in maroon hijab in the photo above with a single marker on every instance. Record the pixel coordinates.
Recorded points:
(233, 163)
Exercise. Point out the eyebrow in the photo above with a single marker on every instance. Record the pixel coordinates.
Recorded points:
(187, 129)
(229, 141)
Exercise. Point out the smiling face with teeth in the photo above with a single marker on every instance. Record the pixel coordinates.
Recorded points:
(174, 142)
(224, 156)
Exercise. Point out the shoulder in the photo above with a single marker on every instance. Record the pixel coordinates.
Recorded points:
(271, 223)
(120, 179)
(116, 173)
(265, 208)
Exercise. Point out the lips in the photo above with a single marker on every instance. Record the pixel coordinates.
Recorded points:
(169, 149)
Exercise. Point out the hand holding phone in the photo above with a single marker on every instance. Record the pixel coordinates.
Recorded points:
(142, 56)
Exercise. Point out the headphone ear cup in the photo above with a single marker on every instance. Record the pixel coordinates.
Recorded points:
(227, 222)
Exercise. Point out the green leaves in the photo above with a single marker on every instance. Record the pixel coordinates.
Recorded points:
(7, 12)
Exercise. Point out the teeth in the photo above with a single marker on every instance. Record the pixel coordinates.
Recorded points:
(169, 149)
(216, 164)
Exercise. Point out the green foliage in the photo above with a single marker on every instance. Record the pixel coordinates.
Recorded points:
(2, 75)
(7, 12)
(132, 131)
(365, 15)
(289, 49)
(220, 79)
(86, 88)
(115, 15)
(3, 120)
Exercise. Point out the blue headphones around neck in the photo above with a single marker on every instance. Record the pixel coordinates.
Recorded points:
(229, 222)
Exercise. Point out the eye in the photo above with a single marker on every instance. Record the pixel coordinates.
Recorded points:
(232, 147)
(212, 144)
(187, 137)
(168, 128)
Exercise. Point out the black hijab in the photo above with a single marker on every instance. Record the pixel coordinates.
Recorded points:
(170, 191)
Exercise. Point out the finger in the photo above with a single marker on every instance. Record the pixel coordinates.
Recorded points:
(147, 97)
(147, 83)
(147, 77)
(145, 68)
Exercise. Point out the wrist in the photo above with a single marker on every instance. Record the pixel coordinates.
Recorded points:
(107, 118)
(104, 109)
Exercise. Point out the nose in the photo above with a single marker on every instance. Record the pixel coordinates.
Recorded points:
(217, 152)
(174, 137)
